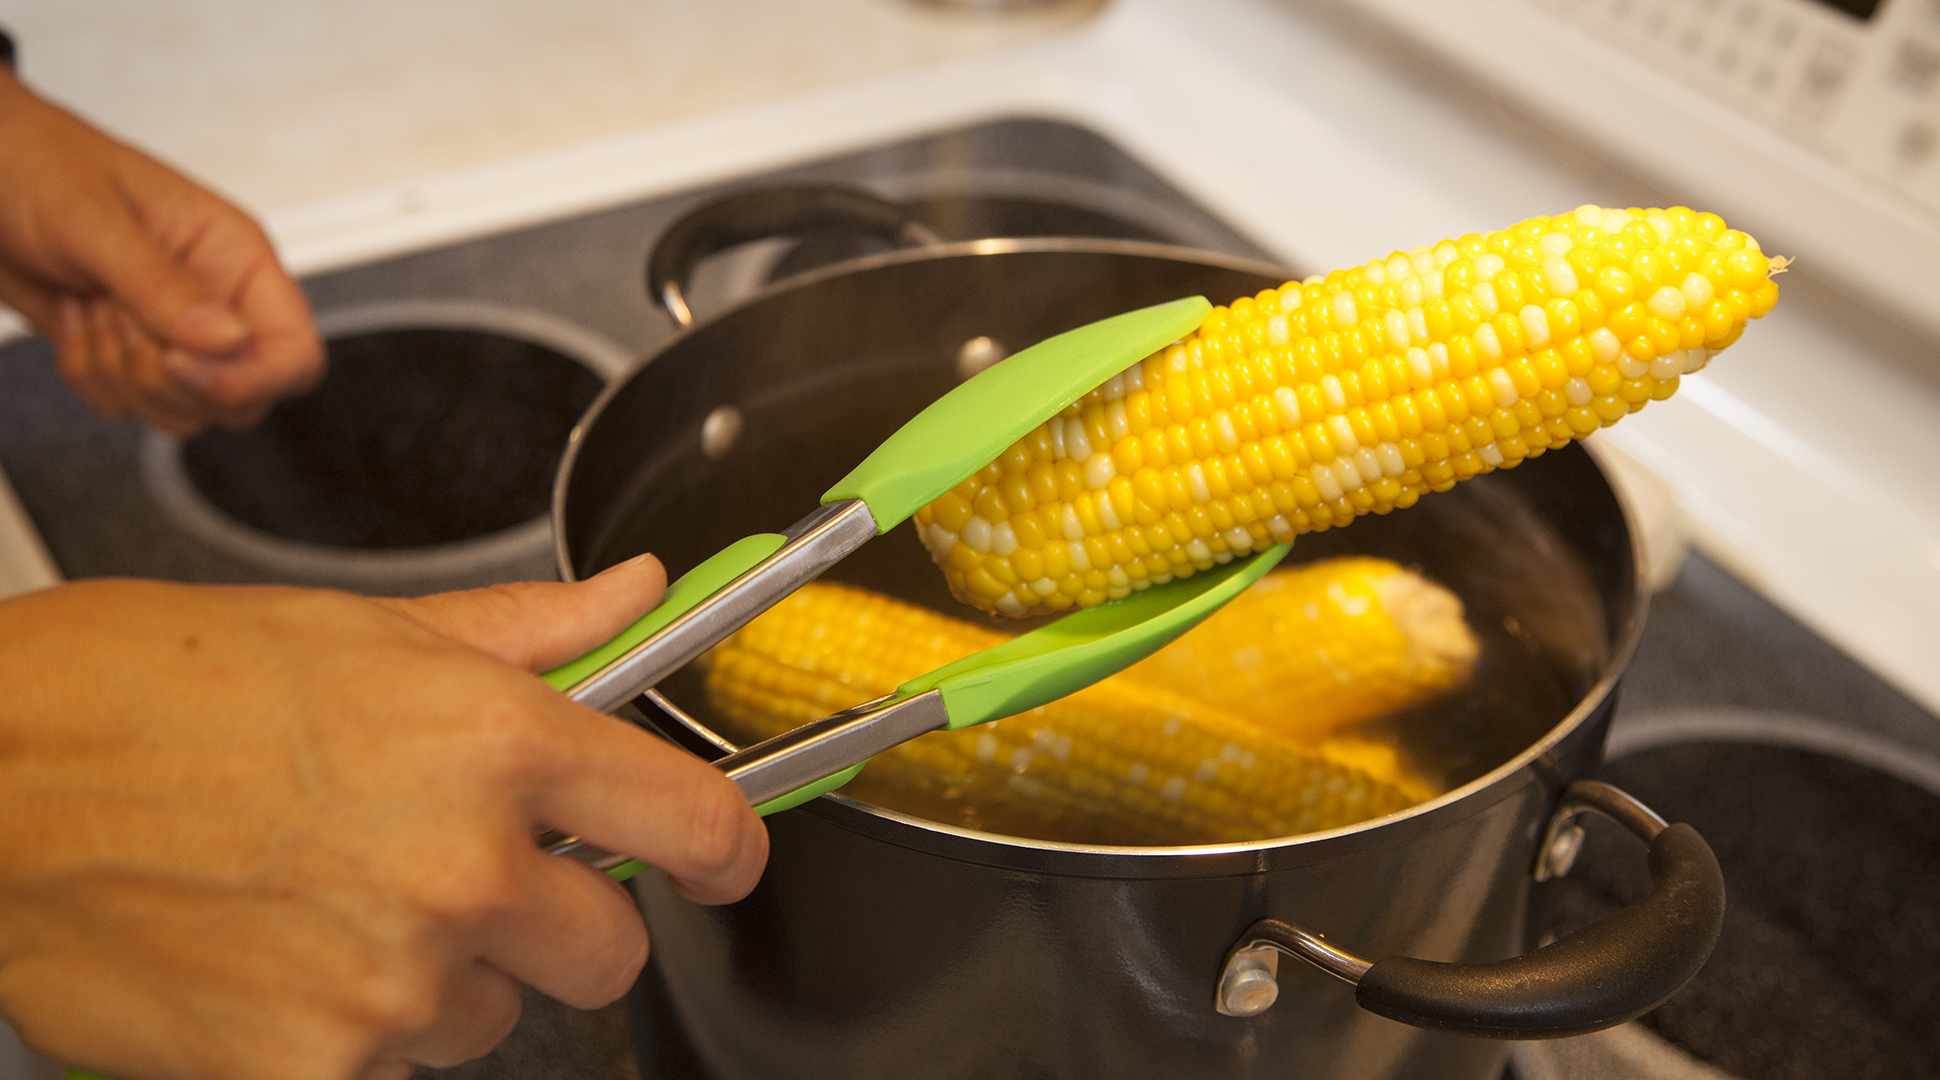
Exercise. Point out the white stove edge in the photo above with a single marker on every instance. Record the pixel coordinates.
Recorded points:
(1232, 101)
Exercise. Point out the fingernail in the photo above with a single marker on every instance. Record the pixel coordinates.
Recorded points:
(213, 326)
(637, 560)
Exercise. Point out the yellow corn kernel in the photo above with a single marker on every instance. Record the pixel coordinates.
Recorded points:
(1323, 396)
(1121, 762)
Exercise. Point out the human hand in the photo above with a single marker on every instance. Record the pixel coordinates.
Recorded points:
(278, 832)
(163, 300)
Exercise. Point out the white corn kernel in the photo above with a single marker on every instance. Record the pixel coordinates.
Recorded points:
(1438, 356)
(1559, 276)
(976, 533)
(1667, 302)
(1578, 392)
(1225, 436)
(1632, 368)
(1490, 344)
(1075, 440)
(1368, 464)
(1395, 326)
(1286, 405)
(1196, 482)
(1324, 480)
(1099, 470)
(1344, 312)
(1421, 371)
(1535, 325)
(1413, 292)
(1080, 562)
(1668, 366)
(1330, 389)
(1604, 341)
(1697, 291)
(1108, 514)
(1003, 539)
(1341, 433)
(1484, 294)
(1504, 386)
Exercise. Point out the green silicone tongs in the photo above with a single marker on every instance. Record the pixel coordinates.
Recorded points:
(956, 435)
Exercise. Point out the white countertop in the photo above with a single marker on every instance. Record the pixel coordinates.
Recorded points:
(363, 129)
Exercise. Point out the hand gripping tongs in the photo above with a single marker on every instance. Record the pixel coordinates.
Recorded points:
(955, 436)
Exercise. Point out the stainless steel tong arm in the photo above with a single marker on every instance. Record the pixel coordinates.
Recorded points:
(796, 758)
(824, 747)
(814, 544)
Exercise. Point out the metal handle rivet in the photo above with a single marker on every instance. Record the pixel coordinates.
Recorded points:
(977, 354)
(1249, 992)
(719, 432)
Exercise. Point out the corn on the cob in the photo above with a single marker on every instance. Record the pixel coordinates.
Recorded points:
(1357, 392)
(1117, 763)
(1308, 650)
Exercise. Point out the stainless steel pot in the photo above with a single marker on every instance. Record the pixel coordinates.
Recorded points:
(881, 945)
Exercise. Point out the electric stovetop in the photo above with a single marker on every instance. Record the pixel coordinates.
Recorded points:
(1818, 786)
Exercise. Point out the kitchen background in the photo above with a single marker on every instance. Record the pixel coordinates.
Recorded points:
(384, 146)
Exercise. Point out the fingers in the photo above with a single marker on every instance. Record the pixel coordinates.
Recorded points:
(119, 370)
(30, 297)
(115, 365)
(171, 302)
(539, 625)
(75, 358)
(284, 356)
(633, 793)
(580, 940)
(477, 1010)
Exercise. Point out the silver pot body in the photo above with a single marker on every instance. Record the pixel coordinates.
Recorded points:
(883, 946)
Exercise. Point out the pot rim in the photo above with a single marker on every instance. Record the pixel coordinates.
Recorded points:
(1100, 860)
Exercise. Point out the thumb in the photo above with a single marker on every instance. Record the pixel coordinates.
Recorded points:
(171, 303)
(538, 625)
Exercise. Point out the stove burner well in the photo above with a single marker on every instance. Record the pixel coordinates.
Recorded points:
(1829, 964)
(418, 437)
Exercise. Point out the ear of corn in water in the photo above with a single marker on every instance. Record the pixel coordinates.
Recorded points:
(1147, 757)
(1352, 393)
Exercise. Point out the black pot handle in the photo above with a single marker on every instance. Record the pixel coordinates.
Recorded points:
(1609, 972)
(754, 215)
